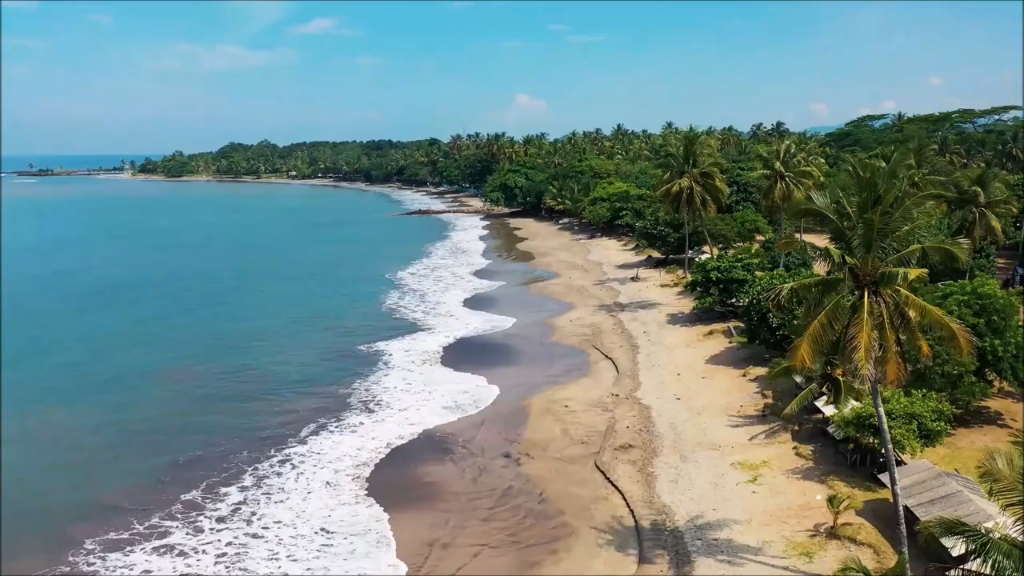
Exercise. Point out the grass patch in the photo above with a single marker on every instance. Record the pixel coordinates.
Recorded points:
(738, 340)
(865, 535)
(803, 452)
(862, 488)
(806, 549)
(753, 468)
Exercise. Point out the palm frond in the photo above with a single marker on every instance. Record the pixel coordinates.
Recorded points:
(805, 397)
(954, 333)
(820, 333)
(991, 551)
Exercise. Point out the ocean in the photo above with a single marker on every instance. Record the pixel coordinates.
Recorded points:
(70, 162)
(200, 377)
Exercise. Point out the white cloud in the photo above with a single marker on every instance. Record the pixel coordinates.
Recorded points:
(863, 111)
(104, 19)
(526, 109)
(557, 27)
(583, 38)
(887, 105)
(18, 3)
(22, 42)
(527, 102)
(935, 80)
(221, 57)
(819, 110)
(320, 26)
(367, 60)
(249, 17)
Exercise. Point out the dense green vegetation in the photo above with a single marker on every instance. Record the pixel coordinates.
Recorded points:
(894, 203)
(681, 178)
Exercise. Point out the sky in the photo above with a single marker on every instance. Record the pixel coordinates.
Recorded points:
(132, 77)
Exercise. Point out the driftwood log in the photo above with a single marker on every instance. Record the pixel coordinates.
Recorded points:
(463, 210)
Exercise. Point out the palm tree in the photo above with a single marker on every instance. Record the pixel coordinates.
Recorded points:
(863, 307)
(779, 130)
(568, 197)
(692, 183)
(979, 197)
(997, 550)
(839, 505)
(787, 178)
(756, 131)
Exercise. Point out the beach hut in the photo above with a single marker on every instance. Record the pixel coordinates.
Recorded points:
(830, 410)
(930, 492)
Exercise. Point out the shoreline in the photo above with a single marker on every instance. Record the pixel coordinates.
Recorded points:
(595, 440)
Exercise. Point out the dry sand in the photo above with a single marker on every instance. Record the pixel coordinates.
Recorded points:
(675, 423)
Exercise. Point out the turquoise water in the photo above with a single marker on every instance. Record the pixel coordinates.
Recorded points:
(154, 333)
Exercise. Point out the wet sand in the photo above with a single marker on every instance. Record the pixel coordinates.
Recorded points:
(457, 498)
(548, 478)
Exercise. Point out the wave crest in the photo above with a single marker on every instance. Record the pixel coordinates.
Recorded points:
(304, 509)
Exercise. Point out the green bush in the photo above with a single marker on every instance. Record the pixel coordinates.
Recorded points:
(729, 230)
(918, 419)
(613, 201)
(798, 259)
(654, 228)
(719, 282)
(771, 324)
(948, 374)
(518, 184)
(993, 316)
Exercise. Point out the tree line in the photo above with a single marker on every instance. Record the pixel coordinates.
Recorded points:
(894, 301)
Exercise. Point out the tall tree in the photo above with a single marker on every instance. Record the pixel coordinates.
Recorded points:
(788, 177)
(692, 184)
(863, 307)
(979, 198)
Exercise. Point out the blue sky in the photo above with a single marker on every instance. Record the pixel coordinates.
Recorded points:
(123, 77)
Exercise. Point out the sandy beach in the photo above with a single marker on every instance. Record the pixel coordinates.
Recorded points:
(669, 418)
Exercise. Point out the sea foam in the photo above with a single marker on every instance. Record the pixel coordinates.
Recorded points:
(304, 509)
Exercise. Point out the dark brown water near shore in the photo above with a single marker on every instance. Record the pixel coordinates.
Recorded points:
(456, 498)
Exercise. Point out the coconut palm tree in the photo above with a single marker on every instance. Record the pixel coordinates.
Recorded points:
(787, 178)
(997, 550)
(692, 184)
(757, 131)
(778, 130)
(863, 307)
(979, 197)
(839, 505)
(568, 197)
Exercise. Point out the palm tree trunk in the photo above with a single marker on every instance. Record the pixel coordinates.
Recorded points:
(711, 249)
(686, 256)
(894, 483)
(801, 229)
(778, 236)
(1020, 241)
